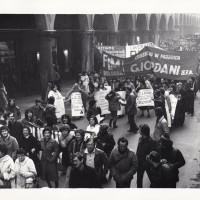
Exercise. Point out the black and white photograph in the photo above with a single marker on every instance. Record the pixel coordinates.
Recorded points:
(101, 100)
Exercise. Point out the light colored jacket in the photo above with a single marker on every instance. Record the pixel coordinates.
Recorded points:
(161, 128)
(7, 169)
(27, 168)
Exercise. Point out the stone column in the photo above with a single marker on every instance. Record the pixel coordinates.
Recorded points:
(45, 62)
(164, 34)
(87, 59)
(145, 36)
(113, 38)
(132, 37)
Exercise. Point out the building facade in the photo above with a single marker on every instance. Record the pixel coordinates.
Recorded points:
(33, 46)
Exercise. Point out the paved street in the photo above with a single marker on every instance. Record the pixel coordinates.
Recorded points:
(186, 138)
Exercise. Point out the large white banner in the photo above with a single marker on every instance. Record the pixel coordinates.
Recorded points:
(134, 49)
(101, 101)
(173, 101)
(77, 105)
(123, 96)
(145, 97)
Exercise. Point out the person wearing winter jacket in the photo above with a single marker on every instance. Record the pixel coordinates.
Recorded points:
(114, 106)
(123, 164)
(7, 172)
(24, 168)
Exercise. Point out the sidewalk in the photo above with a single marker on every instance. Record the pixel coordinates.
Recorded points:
(28, 101)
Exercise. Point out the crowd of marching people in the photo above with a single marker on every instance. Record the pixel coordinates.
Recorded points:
(91, 157)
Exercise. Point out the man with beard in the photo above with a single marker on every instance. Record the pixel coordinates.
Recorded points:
(82, 176)
(123, 164)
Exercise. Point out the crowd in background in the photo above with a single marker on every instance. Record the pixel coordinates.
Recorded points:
(91, 157)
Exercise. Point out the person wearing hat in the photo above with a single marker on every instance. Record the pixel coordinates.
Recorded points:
(10, 141)
(173, 156)
(93, 109)
(49, 155)
(64, 141)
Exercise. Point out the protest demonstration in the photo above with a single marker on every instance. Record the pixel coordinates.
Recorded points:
(83, 106)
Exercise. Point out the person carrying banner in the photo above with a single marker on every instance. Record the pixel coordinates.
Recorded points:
(190, 87)
(114, 105)
(142, 85)
(179, 117)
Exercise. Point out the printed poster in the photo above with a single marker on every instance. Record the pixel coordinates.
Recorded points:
(145, 97)
(77, 105)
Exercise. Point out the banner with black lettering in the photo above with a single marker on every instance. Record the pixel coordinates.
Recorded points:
(163, 64)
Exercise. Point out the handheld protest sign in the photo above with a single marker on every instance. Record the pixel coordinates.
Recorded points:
(77, 105)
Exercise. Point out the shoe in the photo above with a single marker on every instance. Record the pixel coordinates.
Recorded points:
(115, 126)
(192, 115)
(148, 116)
(142, 115)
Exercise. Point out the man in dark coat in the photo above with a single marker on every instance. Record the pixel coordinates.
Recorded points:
(181, 106)
(123, 164)
(105, 140)
(96, 159)
(157, 170)
(14, 126)
(113, 100)
(32, 146)
(146, 144)
(172, 156)
(82, 176)
(131, 109)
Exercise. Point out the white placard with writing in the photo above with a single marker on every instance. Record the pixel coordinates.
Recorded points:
(145, 97)
(77, 105)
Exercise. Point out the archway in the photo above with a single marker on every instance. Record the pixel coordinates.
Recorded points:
(103, 25)
(142, 28)
(125, 26)
(153, 27)
(163, 28)
(18, 65)
(68, 44)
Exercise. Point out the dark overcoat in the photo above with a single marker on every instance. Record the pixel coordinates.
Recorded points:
(50, 151)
